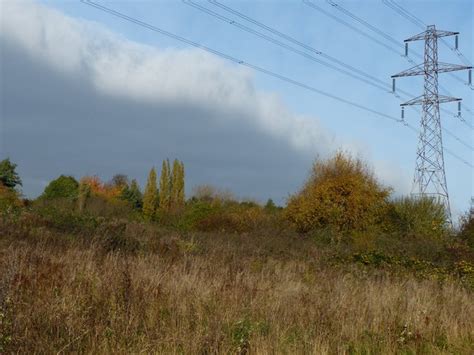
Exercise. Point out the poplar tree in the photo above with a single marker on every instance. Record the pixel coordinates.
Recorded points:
(165, 186)
(181, 189)
(177, 187)
(150, 197)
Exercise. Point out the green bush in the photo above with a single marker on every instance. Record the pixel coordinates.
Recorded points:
(9, 200)
(63, 219)
(195, 212)
(62, 187)
(466, 231)
(420, 217)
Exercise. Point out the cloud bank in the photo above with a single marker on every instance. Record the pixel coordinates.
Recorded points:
(77, 99)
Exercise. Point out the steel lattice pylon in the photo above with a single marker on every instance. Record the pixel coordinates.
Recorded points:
(430, 177)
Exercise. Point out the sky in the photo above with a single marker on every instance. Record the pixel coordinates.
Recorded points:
(84, 92)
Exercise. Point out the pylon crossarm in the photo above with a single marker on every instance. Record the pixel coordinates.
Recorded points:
(430, 100)
(416, 101)
(421, 70)
(446, 67)
(416, 70)
(443, 99)
(431, 33)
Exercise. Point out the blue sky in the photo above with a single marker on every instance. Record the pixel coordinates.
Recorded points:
(388, 146)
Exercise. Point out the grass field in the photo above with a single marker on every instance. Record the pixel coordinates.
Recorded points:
(134, 287)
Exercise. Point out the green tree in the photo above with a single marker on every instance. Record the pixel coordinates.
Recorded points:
(150, 197)
(8, 175)
(132, 194)
(270, 206)
(62, 187)
(165, 187)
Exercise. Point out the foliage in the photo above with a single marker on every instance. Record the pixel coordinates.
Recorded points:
(341, 193)
(422, 217)
(133, 195)
(62, 187)
(150, 197)
(84, 194)
(466, 232)
(165, 187)
(9, 200)
(119, 181)
(8, 175)
(177, 186)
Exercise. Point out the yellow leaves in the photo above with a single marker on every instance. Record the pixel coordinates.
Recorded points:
(341, 192)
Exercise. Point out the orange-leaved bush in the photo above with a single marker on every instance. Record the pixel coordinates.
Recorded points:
(341, 193)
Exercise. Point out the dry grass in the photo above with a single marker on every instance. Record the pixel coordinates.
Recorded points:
(218, 294)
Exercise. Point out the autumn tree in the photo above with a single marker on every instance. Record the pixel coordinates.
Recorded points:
(342, 194)
(150, 197)
(177, 185)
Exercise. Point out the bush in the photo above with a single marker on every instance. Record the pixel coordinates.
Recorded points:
(466, 232)
(341, 193)
(62, 187)
(420, 217)
(9, 199)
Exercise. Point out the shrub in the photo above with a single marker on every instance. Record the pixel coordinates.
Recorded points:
(9, 199)
(421, 217)
(467, 228)
(62, 187)
(196, 211)
(133, 195)
(111, 237)
(340, 193)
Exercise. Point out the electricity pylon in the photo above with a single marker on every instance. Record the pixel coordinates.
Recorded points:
(430, 177)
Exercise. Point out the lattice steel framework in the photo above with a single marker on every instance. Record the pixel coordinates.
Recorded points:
(430, 177)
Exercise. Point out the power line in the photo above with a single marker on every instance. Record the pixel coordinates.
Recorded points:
(297, 42)
(254, 67)
(281, 44)
(363, 22)
(448, 132)
(410, 17)
(381, 33)
(418, 22)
